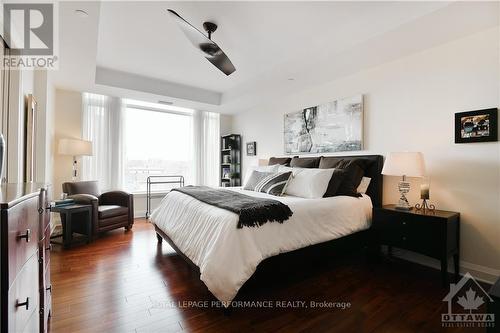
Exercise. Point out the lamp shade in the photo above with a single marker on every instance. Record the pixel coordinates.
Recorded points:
(75, 147)
(410, 164)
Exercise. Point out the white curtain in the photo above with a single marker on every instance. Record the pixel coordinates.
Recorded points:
(103, 123)
(207, 148)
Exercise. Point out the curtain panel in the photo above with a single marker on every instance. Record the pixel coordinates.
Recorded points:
(103, 125)
(207, 150)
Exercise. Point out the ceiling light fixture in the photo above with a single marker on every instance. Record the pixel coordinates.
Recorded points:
(81, 13)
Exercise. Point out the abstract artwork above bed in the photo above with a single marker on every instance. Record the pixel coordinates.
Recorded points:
(326, 128)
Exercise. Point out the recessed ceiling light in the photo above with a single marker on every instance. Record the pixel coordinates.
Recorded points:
(81, 13)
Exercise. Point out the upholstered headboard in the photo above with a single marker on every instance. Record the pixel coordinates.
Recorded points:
(373, 170)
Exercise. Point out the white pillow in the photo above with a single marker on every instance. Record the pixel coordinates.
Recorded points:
(261, 168)
(307, 183)
(363, 186)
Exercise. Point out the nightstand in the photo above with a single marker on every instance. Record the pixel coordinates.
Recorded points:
(432, 233)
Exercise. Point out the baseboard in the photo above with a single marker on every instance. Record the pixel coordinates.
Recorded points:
(481, 273)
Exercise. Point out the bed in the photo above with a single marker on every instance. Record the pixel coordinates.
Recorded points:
(227, 257)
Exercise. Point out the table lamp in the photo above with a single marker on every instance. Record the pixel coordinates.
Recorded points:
(75, 147)
(404, 164)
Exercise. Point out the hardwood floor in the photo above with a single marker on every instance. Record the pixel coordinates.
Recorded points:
(125, 282)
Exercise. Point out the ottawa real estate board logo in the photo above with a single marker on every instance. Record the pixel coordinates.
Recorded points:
(29, 32)
(467, 302)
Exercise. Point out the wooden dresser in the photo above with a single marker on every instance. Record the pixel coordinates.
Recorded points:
(25, 258)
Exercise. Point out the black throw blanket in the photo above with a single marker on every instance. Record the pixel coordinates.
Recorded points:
(253, 212)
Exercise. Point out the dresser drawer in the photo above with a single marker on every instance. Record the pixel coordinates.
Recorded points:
(44, 204)
(23, 297)
(23, 234)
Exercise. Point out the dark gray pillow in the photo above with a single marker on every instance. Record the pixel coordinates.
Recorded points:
(305, 162)
(280, 160)
(329, 162)
(268, 182)
(336, 181)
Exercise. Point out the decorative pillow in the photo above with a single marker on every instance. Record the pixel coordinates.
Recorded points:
(280, 161)
(267, 182)
(353, 176)
(308, 183)
(335, 182)
(305, 162)
(329, 162)
(261, 168)
(363, 186)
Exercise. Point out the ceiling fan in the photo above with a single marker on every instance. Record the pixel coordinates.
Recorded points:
(210, 49)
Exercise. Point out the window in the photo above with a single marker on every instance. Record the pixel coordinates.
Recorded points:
(158, 141)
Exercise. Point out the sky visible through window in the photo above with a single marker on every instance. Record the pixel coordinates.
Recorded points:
(156, 143)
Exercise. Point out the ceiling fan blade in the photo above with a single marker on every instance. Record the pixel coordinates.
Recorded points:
(210, 49)
(222, 62)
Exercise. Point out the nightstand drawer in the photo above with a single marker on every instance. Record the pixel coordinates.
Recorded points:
(409, 231)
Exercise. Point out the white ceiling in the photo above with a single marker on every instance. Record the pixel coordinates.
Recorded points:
(139, 52)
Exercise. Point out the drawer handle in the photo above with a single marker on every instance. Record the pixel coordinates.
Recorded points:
(26, 236)
(26, 303)
(49, 288)
(404, 238)
(404, 222)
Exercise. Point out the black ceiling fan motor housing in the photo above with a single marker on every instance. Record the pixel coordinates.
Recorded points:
(209, 27)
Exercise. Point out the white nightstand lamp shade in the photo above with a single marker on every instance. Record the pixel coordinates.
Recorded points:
(404, 164)
(75, 147)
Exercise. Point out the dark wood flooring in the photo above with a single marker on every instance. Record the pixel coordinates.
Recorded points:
(125, 282)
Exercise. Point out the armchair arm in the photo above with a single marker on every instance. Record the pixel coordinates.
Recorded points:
(83, 199)
(119, 198)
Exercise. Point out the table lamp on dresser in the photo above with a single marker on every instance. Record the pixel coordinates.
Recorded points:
(404, 164)
(75, 147)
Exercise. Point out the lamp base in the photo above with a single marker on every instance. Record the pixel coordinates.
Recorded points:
(75, 170)
(404, 188)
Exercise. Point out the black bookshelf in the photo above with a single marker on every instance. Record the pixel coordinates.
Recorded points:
(230, 160)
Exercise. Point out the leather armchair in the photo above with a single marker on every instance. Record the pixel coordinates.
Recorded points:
(110, 210)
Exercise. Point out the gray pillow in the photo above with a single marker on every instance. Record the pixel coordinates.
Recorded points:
(268, 182)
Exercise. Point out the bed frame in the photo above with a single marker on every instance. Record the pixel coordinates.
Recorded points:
(314, 254)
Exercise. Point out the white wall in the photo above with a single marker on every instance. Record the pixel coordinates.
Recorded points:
(43, 91)
(21, 85)
(67, 124)
(226, 122)
(409, 106)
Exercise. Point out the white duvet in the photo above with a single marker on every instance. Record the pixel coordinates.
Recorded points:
(227, 256)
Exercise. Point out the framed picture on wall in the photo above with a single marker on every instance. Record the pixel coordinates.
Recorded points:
(476, 126)
(331, 127)
(251, 148)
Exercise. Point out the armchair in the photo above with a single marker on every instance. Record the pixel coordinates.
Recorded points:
(110, 210)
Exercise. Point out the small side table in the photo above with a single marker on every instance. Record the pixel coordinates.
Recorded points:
(67, 219)
(432, 233)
